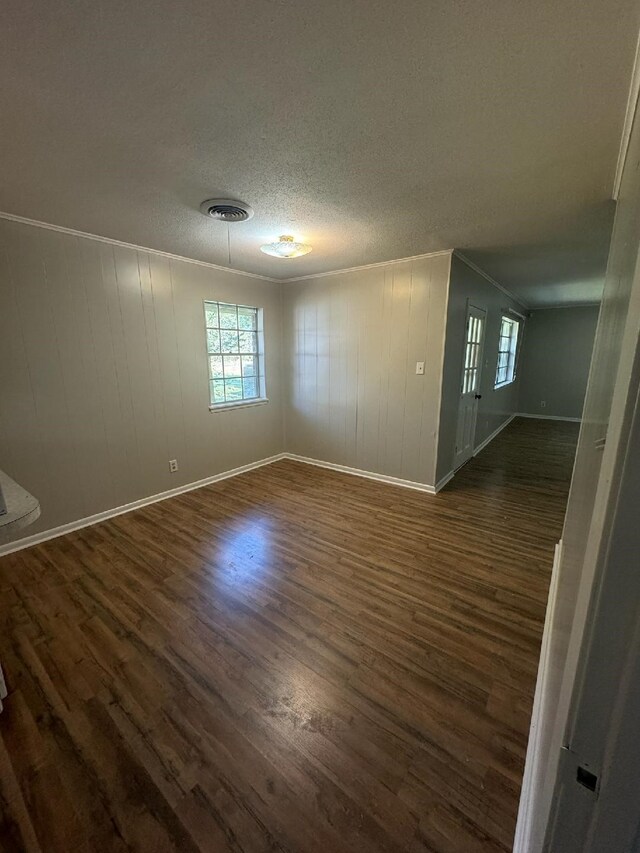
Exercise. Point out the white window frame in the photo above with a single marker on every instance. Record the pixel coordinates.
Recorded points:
(507, 350)
(218, 360)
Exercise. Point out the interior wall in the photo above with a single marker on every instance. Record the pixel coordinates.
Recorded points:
(353, 339)
(594, 477)
(497, 404)
(103, 373)
(554, 361)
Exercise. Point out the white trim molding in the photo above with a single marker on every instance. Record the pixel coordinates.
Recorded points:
(54, 532)
(630, 112)
(487, 277)
(239, 404)
(443, 482)
(547, 417)
(368, 266)
(566, 305)
(368, 475)
(88, 521)
(493, 435)
(528, 831)
(22, 220)
(62, 229)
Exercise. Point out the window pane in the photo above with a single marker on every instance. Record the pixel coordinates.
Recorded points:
(246, 318)
(213, 340)
(211, 313)
(507, 348)
(248, 342)
(215, 366)
(228, 317)
(231, 366)
(233, 389)
(250, 387)
(229, 341)
(467, 356)
(217, 391)
(232, 346)
(476, 355)
(249, 365)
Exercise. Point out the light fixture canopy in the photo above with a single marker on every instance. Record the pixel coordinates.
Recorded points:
(286, 247)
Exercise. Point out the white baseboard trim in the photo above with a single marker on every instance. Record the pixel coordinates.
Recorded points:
(547, 417)
(54, 532)
(443, 482)
(369, 475)
(490, 438)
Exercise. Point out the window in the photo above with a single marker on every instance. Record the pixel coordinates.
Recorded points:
(471, 369)
(234, 354)
(507, 349)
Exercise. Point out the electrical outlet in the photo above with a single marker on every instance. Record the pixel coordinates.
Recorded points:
(173, 465)
(420, 368)
(543, 403)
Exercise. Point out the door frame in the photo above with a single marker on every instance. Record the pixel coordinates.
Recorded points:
(584, 721)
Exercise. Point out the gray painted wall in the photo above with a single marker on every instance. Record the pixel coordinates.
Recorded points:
(555, 359)
(353, 341)
(103, 373)
(594, 485)
(496, 405)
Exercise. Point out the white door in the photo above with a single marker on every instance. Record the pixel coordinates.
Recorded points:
(470, 385)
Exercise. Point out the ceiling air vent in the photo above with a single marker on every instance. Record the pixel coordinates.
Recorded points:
(226, 209)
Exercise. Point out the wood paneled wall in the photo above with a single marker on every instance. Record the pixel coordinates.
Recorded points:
(103, 372)
(353, 340)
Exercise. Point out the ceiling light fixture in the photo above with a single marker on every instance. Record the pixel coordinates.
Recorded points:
(286, 247)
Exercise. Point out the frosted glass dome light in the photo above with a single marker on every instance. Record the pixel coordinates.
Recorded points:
(286, 247)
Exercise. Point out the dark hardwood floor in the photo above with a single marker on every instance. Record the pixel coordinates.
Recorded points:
(291, 660)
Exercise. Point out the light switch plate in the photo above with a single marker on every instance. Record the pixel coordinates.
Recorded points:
(420, 368)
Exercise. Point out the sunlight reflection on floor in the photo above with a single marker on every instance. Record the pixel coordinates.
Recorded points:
(245, 555)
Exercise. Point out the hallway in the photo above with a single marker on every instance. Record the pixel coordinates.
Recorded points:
(292, 659)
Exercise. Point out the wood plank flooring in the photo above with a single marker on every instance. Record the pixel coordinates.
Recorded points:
(291, 660)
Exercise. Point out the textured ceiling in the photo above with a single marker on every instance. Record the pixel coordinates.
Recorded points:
(372, 130)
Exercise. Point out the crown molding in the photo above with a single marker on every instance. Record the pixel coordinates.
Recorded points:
(12, 217)
(629, 116)
(23, 220)
(367, 266)
(487, 277)
(566, 305)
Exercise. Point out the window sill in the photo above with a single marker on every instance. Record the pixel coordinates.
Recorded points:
(504, 384)
(241, 404)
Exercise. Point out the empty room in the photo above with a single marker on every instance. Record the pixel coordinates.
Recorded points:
(319, 427)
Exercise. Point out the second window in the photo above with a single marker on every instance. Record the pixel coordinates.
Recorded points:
(507, 351)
